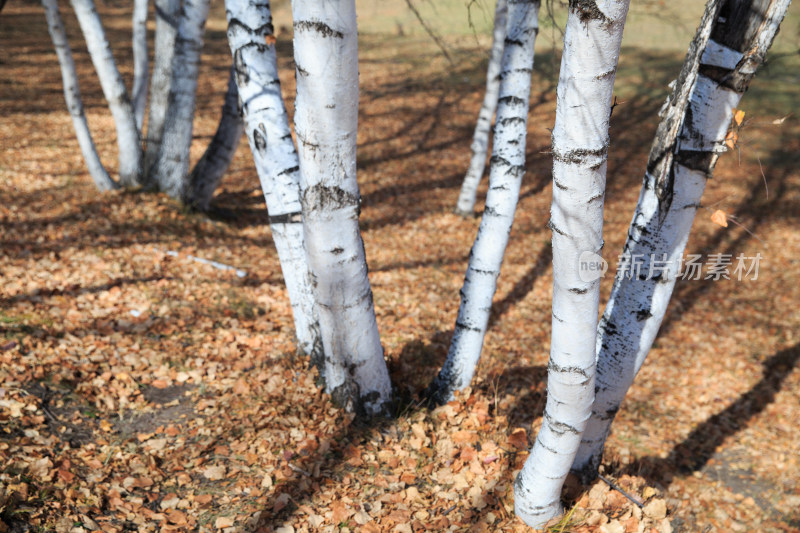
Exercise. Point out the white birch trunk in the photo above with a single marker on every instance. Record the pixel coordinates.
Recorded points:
(326, 55)
(256, 75)
(140, 61)
(167, 16)
(128, 138)
(480, 139)
(721, 61)
(72, 95)
(580, 150)
(207, 173)
(505, 177)
(171, 167)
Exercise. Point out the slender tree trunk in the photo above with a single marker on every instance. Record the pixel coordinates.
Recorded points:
(171, 167)
(128, 139)
(730, 44)
(167, 16)
(326, 55)
(72, 95)
(580, 150)
(256, 74)
(505, 176)
(140, 60)
(208, 172)
(480, 139)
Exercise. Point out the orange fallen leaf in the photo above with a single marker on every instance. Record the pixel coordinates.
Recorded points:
(270, 39)
(738, 117)
(519, 438)
(719, 217)
(730, 139)
(160, 384)
(223, 521)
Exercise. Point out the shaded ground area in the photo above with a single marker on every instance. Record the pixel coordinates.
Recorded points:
(144, 391)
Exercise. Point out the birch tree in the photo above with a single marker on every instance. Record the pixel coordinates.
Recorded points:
(171, 166)
(326, 116)
(480, 139)
(72, 95)
(255, 72)
(141, 64)
(580, 149)
(128, 139)
(207, 173)
(731, 43)
(505, 177)
(167, 15)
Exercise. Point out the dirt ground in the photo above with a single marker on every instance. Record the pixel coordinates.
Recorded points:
(145, 391)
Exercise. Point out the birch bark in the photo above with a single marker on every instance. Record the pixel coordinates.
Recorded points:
(507, 168)
(480, 139)
(141, 63)
(730, 44)
(72, 95)
(580, 150)
(207, 173)
(171, 167)
(267, 124)
(167, 16)
(326, 116)
(128, 138)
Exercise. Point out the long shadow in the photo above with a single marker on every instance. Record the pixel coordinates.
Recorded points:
(75, 290)
(523, 286)
(694, 452)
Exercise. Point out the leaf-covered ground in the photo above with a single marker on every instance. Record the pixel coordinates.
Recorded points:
(143, 390)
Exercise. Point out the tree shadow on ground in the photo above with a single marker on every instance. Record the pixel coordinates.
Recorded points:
(693, 454)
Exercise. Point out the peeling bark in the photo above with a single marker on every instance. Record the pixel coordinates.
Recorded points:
(480, 139)
(733, 38)
(72, 95)
(580, 146)
(505, 177)
(326, 116)
(128, 138)
(207, 173)
(255, 73)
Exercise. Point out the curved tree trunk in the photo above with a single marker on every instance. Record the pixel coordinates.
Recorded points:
(72, 95)
(128, 139)
(480, 139)
(167, 16)
(171, 167)
(208, 171)
(731, 43)
(140, 61)
(326, 55)
(580, 150)
(505, 177)
(256, 74)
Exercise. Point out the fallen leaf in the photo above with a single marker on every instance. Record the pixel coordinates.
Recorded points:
(720, 218)
(214, 473)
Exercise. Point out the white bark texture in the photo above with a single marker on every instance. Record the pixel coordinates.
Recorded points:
(730, 44)
(326, 116)
(507, 168)
(171, 167)
(580, 150)
(72, 95)
(167, 16)
(480, 139)
(207, 173)
(141, 63)
(128, 138)
(267, 124)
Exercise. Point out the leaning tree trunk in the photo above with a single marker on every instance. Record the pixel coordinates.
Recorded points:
(140, 60)
(208, 172)
(171, 167)
(128, 138)
(72, 95)
(505, 176)
(326, 116)
(730, 44)
(580, 150)
(256, 74)
(480, 139)
(167, 16)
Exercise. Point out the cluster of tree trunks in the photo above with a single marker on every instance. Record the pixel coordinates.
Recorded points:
(313, 200)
